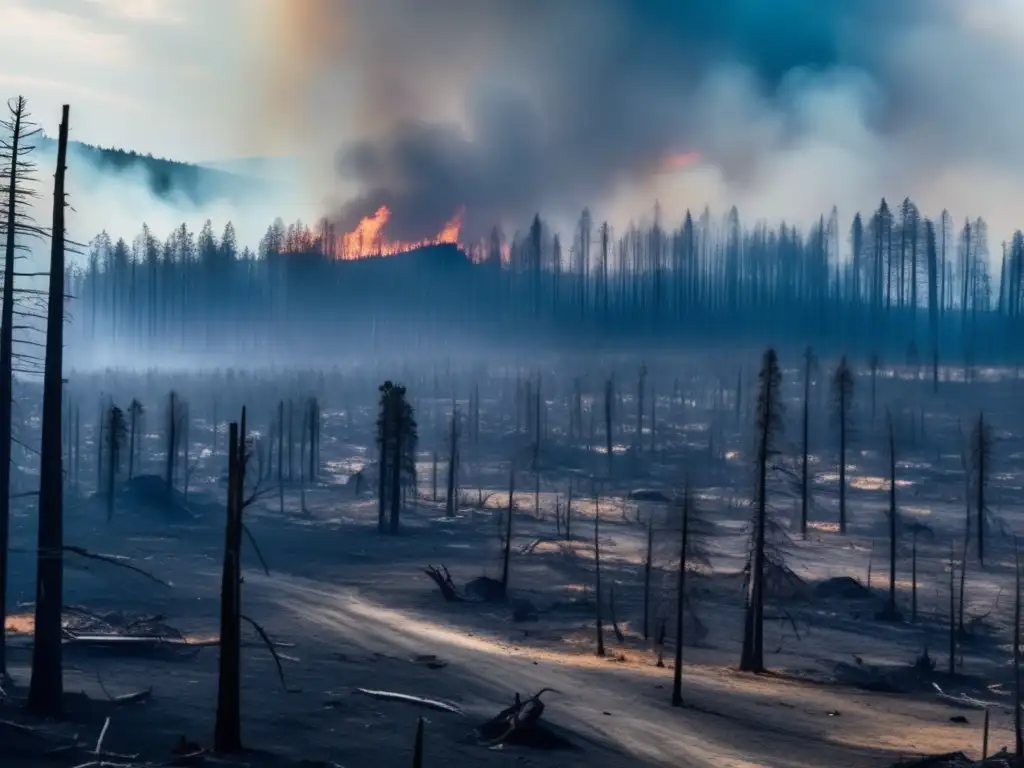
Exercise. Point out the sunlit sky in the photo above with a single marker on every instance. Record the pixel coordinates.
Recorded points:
(160, 76)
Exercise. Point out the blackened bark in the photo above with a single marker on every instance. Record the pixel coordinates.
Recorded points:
(46, 688)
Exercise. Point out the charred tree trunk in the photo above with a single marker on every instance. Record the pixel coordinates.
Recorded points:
(132, 426)
(396, 474)
(677, 679)
(433, 476)
(609, 396)
(382, 465)
(7, 374)
(597, 575)
(805, 490)
(291, 441)
(172, 441)
(568, 514)
(952, 610)
(508, 531)
(1018, 695)
(453, 447)
(46, 688)
(913, 581)
(891, 612)
(227, 736)
(647, 575)
(280, 456)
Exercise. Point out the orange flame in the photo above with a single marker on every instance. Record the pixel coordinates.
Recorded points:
(679, 161)
(368, 238)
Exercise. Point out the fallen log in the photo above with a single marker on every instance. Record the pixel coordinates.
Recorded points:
(963, 701)
(133, 698)
(517, 723)
(441, 706)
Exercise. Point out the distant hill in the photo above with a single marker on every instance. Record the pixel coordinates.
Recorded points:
(166, 178)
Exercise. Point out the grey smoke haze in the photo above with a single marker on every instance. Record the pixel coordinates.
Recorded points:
(512, 108)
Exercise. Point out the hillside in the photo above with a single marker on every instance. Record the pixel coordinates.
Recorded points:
(165, 178)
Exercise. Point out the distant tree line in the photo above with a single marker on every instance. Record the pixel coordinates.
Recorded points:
(906, 281)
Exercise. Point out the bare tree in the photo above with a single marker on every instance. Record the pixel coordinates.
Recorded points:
(1018, 695)
(842, 406)
(769, 424)
(18, 179)
(805, 489)
(981, 462)
(599, 621)
(117, 430)
(46, 687)
(453, 463)
(135, 413)
(227, 735)
(891, 613)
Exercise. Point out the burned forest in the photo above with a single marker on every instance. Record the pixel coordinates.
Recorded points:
(437, 481)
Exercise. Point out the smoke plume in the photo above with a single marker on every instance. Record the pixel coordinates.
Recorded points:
(510, 107)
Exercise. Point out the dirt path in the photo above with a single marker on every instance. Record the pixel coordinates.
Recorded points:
(734, 721)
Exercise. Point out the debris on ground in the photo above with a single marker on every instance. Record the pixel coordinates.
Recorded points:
(1002, 759)
(520, 725)
(842, 588)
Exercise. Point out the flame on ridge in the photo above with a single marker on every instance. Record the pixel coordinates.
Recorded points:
(369, 237)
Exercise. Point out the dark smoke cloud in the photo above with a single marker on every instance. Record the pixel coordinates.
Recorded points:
(513, 107)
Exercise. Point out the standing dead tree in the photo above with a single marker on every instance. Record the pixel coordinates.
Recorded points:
(684, 546)
(981, 463)
(453, 463)
(842, 414)
(769, 425)
(18, 172)
(609, 399)
(688, 534)
(397, 436)
(228, 727)
(916, 529)
(174, 424)
(227, 736)
(805, 488)
(890, 613)
(641, 381)
(46, 687)
(1018, 694)
(599, 620)
(313, 423)
(135, 413)
(116, 432)
(507, 543)
(874, 364)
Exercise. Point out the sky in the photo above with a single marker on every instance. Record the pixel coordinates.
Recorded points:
(157, 76)
(511, 107)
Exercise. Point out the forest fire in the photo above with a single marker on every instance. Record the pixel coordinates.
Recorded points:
(679, 161)
(369, 237)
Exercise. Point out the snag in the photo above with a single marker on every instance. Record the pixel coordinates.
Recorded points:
(444, 582)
